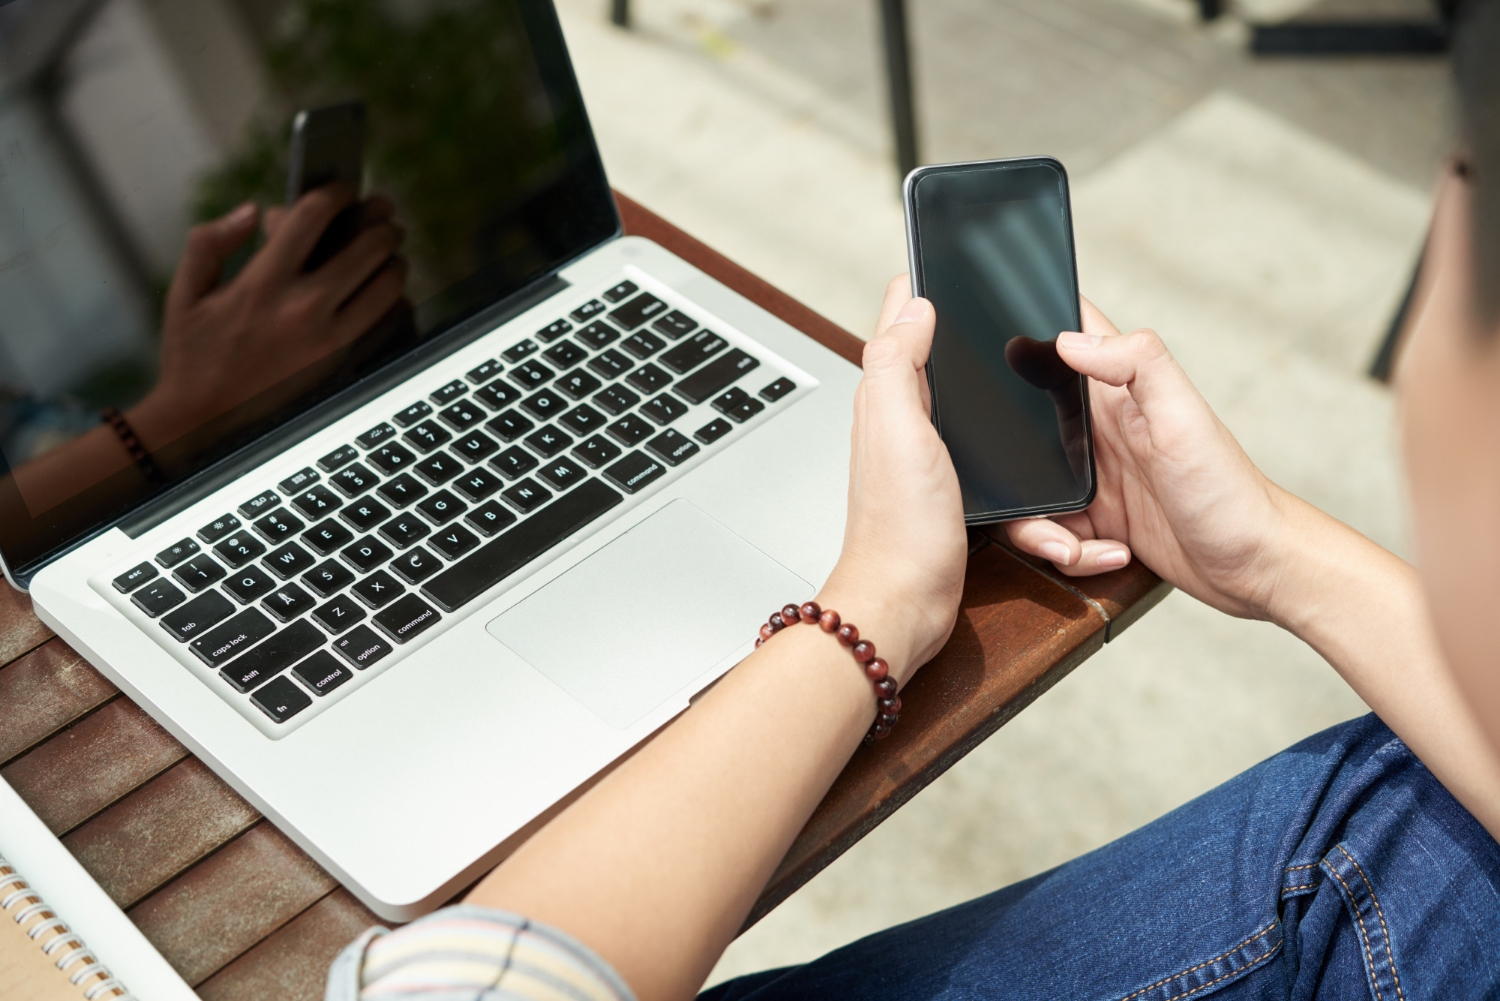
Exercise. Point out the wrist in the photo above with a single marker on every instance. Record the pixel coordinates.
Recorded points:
(892, 624)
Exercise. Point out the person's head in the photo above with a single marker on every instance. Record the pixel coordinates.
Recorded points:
(1449, 380)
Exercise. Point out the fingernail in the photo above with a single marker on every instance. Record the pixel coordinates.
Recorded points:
(915, 309)
(1054, 551)
(1078, 342)
(1114, 558)
(241, 214)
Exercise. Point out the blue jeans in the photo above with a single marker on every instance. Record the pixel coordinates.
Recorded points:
(1339, 869)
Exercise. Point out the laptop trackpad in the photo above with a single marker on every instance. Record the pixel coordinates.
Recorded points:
(635, 622)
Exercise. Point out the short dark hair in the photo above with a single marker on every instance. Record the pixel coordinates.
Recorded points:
(1476, 64)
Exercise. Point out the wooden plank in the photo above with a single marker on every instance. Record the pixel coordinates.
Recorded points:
(88, 766)
(20, 629)
(224, 905)
(43, 692)
(292, 964)
(160, 830)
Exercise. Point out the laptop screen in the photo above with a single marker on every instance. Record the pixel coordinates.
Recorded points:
(215, 214)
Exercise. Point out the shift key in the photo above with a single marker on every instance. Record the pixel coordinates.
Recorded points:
(713, 377)
(233, 638)
(273, 656)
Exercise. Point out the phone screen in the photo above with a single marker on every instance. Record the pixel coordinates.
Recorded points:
(992, 248)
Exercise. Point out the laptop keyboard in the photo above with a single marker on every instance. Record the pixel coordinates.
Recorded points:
(339, 565)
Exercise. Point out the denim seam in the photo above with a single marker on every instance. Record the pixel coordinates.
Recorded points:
(1310, 865)
(1363, 931)
(1240, 969)
(1207, 962)
(1380, 913)
(1290, 889)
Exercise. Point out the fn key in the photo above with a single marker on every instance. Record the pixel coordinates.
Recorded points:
(281, 699)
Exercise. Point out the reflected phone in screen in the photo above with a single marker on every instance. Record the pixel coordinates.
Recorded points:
(328, 145)
(991, 246)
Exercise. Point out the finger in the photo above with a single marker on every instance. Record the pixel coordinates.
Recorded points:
(1079, 523)
(1094, 320)
(1139, 361)
(371, 303)
(351, 267)
(272, 220)
(1098, 556)
(298, 232)
(375, 210)
(897, 294)
(209, 244)
(1045, 538)
(902, 346)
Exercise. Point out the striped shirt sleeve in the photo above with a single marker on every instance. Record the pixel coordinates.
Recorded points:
(474, 954)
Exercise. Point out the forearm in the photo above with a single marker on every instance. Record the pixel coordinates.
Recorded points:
(1363, 609)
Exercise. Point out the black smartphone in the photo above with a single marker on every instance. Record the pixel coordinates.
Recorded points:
(991, 246)
(328, 145)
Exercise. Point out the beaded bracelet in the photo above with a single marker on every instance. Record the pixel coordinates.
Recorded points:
(138, 453)
(876, 669)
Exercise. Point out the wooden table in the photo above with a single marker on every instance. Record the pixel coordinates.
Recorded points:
(242, 913)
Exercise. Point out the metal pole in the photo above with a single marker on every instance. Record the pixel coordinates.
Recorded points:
(898, 67)
(620, 13)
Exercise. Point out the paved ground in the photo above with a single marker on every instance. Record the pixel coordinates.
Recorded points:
(1263, 216)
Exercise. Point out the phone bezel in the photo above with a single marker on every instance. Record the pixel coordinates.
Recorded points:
(914, 263)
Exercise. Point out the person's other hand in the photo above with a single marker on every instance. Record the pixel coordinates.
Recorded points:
(905, 545)
(1173, 484)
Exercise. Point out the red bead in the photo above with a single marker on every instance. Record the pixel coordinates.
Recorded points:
(864, 651)
(848, 634)
(766, 632)
(877, 669)
(791, 615)
(758, 641)
(885, 687)
(886, 719)
(777, 623)
(829, 621)
(891, 705)
(880, 732)
(810, 612)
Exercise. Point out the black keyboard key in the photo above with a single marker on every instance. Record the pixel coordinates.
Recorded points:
(554, 330)
(338, 614)
(439, 469)
(545, 405)
(777, 389)
(648, 378)
(713, 430)
(597, 451)
(320, 672)
(530, 375)
(401, 491)
(509, 426)
(548, 441)
(248, 584)
(412, 414)
(351, 481)
(674, 324)
(664, 409)
(714, 376)
(578, 384)
(565, 355)
(288, 561)
(588, 310)
(232, 638)
(416, 566)
(610, 364)
(693, 352)
(582, 419)
(527, 496)
(279, 525)
(462, 415)
(453, 541)
(441, 507)
(638, 310)
(361, 647)
(289, 601)
(338, 458)
(672, 447)
(199, 572)
(497, 395)
(739, 405)
(449, 393)
(407, 619)
(157, 597)
(519, 350)
(365, 515)
(218, 528)
(495, 560)
(134, 578)
(327, 536)
(391, 459)
(204, 611)
(275, 655)
(561, 473)
(643, 344)
(631, 430)
(177, 552)
(477, 484)
(427, 436)
(615, 399)
(239, 549)
(259, 504)
(620, 291)
(514, 462)
(331, 576)
(404, 529)
(299, 481)
(490, 518)
(377, 590)
(375, 436)
(316, 502)
(597, 335)
(635, 472)
(475, 447)
(483, 372)
(281, 700)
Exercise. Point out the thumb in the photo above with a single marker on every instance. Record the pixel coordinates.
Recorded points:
(209, 244)
(902, 346)
(1138, 361)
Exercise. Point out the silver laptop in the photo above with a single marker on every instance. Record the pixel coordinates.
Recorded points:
(409, 596)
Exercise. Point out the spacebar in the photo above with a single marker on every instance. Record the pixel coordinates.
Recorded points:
(493, 562)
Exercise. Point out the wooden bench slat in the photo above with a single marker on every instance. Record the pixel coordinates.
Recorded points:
(83, 769)
(292, 964)
(159, 830)
(43, 692)
(20, 629)
(230, 901)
